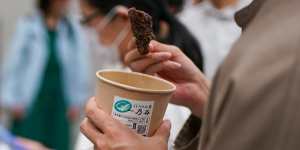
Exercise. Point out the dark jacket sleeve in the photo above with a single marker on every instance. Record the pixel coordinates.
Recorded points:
(189, 136)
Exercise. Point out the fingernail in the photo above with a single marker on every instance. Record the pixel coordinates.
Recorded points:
(151, 45)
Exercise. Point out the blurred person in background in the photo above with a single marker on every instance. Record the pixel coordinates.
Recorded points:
(108, 40)
(113, 28)
(166, 26)
(45, 77)
(212, 22)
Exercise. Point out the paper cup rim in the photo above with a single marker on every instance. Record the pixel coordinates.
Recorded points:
(128, 87)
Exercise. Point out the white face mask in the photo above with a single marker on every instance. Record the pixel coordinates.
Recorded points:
(106, 57)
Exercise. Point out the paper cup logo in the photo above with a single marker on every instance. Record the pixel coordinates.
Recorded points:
(123, 106)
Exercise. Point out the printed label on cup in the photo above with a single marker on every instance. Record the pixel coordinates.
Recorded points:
(135, 114)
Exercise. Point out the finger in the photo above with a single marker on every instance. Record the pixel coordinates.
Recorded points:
(133, 56)
(122, 11)
(143, 64)
(95, 136)
(132, 44)
(166, 65)
(91, 132)
(98, 117)
(164, 130)
(155, 46)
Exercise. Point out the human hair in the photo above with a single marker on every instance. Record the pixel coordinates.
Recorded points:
(44, 6)
(178, 3)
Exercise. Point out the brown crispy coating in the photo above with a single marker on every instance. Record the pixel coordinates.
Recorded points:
(141, 25)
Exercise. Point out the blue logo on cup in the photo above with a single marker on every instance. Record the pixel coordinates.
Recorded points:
(123, 106)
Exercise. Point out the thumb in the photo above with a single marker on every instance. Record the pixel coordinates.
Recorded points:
(164, 130)
(122, 11)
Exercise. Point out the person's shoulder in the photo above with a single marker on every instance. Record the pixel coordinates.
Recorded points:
(71, 20)
(28, 26)
(28, 21)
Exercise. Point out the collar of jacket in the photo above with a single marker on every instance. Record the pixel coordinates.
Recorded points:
(246, 15)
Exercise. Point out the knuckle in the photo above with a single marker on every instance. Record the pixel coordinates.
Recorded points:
(89, 111)
(101, 144)
(83, 126)
(178, 49)
(155, 68)
(126, 59)
(134, 67)
(165, 64)
(113, 132)
(129, 56)
(175, 49)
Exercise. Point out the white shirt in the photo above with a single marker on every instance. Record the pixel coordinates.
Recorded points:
(215, 29)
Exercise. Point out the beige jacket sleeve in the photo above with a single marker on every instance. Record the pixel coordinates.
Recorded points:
(255, 97)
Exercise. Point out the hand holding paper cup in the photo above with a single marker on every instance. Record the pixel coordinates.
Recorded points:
(136, 100)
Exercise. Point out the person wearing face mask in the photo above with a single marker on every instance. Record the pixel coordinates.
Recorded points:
(45, 76)
(252, 103)
(104, 43)
(166, 26)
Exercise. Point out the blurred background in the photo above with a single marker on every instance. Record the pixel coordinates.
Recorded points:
(51, 49)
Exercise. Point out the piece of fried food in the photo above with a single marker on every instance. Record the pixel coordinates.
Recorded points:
(141, 25)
